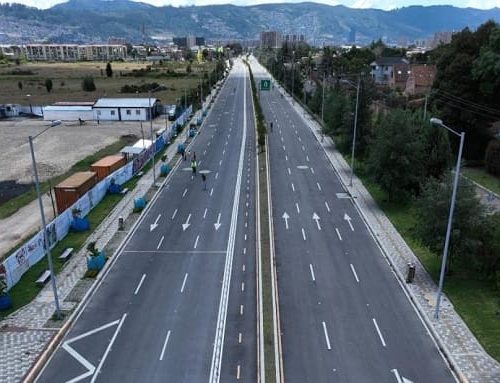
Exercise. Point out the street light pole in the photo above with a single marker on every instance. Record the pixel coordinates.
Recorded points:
(355, 129)
(437, 121)
(323, 101)
(44, 227)
(293, 74)
(153, 152)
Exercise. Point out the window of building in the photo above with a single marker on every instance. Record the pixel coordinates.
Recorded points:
(137, 112)
(98, 112)
(112, 112)
(129, 112)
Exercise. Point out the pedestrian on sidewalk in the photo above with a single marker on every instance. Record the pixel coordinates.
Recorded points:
(193, 166)
(194, 156)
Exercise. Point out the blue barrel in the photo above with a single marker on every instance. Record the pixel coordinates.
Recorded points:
(139, 203)
(164, 169)
(80, 224)
(5, 302)
(96, 262)
(180, 148)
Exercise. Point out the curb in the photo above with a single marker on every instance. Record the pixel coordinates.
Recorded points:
(40, 362)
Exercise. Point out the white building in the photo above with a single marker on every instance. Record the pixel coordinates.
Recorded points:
(69, 111)
(74, 52)
(126, 109)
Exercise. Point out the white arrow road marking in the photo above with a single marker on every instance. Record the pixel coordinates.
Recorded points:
(217, 224)
(328, 346)
(155, 224)
(316, 218)
(285, 216)
(186, 224)
(400, 379)
(165, 345)
(378, 332)
(348, 219)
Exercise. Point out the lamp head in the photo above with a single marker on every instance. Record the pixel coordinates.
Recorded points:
(436, 121)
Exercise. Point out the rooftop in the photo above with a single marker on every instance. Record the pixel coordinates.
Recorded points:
(125, 102)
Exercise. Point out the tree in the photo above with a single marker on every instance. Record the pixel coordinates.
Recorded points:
(395, 158)
(109, 70)
(20, 85)
(188, 68)
(88, 84)
(432, 216)
(493, 158)
(48, 84)
(436, 150)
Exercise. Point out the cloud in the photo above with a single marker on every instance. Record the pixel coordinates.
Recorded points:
(483, 4)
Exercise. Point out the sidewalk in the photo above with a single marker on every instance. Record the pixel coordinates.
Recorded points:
(466, 355)
(25, 333)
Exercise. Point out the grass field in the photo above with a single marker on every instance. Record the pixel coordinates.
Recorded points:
(67, 78)
(483, 178)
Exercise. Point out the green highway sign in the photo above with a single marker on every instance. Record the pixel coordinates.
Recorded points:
(265, 84)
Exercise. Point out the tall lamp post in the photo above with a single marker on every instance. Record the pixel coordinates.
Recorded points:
(293, 74)
(44, 225)
(153, 152)
(437, 121)
(355, 123)
(29, 101)
(323, 101)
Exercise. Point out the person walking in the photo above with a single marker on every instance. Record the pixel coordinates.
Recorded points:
(271, 126)
(193, 166)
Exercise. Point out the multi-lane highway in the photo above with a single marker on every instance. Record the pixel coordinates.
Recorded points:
(344, 316)
(178, 305)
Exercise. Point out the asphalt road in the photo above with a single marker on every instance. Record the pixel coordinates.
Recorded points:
(179, 303)
(344, 315)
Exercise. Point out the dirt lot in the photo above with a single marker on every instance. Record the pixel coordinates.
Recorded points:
(67, 78)
(59, 148)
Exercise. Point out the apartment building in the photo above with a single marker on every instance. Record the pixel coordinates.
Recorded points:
(74, 52)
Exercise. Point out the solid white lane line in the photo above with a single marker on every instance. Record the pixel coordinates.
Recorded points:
(140, 284)
(165, 345)
(293, 187)
(196, 242)
(108, 349)
(312, 273)
(327, 207)
(185, 191)
(319, 186)
(184, 282)
(175, 213)
(303, 234)
(289, 171)
(338, 234)
(297, 207)
(161, 241)
(378, 332)
(205, 213)
(354, 272)
(328, 346)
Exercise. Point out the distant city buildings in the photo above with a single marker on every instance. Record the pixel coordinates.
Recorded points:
(441, 38)
(188, 42)
(65, 52)
(293, 40)
(270, 40)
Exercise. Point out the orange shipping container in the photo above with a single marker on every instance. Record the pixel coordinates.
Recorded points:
(72, 188)
(107, 165)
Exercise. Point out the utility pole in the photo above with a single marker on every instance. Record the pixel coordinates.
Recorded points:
(355, 128)
(293, 74)
(425, 107)
(153, 152)
(323, 101)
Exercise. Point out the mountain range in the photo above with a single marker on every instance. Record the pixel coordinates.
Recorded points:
(84, 21)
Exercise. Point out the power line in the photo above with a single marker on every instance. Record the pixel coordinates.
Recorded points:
(468, 103)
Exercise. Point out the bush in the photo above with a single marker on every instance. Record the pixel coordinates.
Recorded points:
(493, 157)
(88, 84)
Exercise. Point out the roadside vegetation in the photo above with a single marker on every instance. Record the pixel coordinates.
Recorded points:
(407, 163)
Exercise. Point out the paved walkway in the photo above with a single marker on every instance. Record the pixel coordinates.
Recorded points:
(466, 355)
(25, 333)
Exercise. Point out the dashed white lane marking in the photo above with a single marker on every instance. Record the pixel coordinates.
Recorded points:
(328, 345)
(183, 194)
(173, 215)
(307, 158)
(140, 284)
(241, 309)
(319, 186)
(204, 152)
(378, 332)
(242, 286)
(196, 242)
(312, 272)
(184, 283)
(284, 148)
(211, 191)
(312, 170)
(303, 234)
(354, 273)
(286, 158)
(161, 241)
(297, 207)
(238, 372)
(220, 162)
(165, 345)
(243, 268)
(293, 187)
(244, 250)
(289, 171)
(282, 140)
(224, 152)
(303, 148)
(205, 213)
(216, 175)
(240, 338)
(338, 233)
(327, 207)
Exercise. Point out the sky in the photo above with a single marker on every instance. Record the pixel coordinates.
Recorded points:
(380, 4)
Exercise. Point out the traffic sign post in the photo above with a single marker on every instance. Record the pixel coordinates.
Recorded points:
(265, 84)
